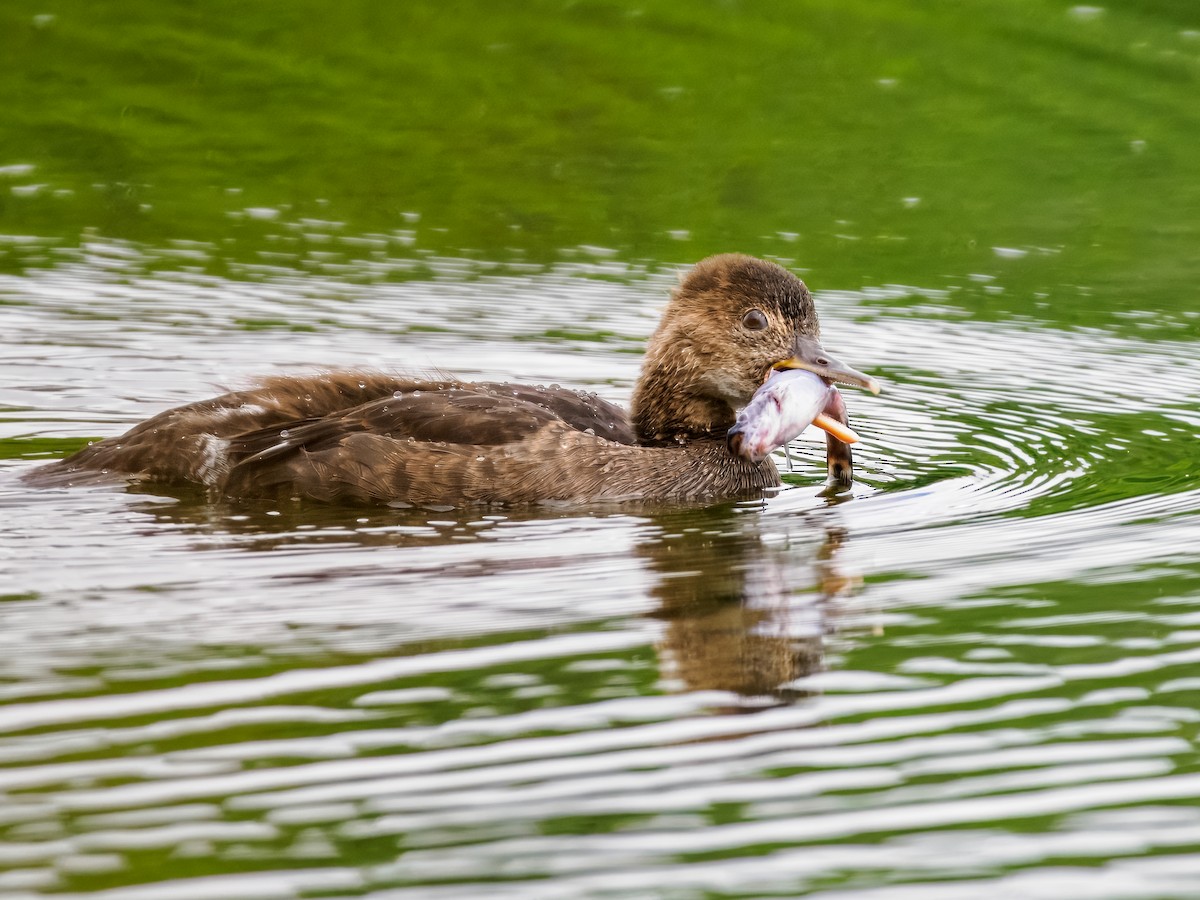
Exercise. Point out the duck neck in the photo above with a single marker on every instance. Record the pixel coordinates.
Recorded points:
(666, 413)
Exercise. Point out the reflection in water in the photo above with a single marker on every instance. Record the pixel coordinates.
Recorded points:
(429, 700)
(745, 611)
(735, 620)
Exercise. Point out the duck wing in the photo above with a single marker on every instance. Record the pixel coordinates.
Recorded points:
(459, 415)
(451, 441)
(582, 410)
(194, 443)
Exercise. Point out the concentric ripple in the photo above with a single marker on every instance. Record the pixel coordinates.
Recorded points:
(974, 677)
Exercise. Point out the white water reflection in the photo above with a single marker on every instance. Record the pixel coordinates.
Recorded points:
(977, 671)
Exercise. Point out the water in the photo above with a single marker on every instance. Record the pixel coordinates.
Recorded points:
(973, 676)
(979, 667)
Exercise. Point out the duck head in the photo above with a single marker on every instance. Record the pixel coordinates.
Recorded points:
(732, 321)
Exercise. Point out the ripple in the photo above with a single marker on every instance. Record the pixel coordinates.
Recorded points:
(974, 672)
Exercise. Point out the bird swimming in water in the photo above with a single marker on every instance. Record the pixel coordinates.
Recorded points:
(731, 327)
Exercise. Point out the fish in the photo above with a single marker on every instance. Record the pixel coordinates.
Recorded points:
(787, 402)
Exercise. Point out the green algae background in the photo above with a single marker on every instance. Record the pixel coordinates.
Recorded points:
(1048, 146)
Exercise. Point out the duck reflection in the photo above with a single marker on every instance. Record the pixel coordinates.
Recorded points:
(747, 599)
(741, 608)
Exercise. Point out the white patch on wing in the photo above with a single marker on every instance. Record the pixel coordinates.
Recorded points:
(230, 412)
(215, 462)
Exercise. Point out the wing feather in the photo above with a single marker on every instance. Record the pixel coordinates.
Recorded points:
(372, 429)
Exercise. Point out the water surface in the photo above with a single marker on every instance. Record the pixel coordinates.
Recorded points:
(974, 675)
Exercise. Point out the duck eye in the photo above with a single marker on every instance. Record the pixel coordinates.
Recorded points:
(754, 320)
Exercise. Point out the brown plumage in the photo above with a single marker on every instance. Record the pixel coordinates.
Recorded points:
(374, 438)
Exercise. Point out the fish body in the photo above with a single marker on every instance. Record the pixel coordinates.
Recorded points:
(788, 402)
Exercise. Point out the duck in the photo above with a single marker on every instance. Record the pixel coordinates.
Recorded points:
(361, 437)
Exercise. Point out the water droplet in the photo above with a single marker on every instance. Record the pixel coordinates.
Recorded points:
(284, 433)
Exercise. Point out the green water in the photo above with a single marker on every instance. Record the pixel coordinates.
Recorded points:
(972, 677)
(870, 143)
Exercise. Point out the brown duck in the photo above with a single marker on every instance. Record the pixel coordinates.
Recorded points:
(374, 438)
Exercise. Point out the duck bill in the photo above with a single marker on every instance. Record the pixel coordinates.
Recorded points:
(807, 353)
